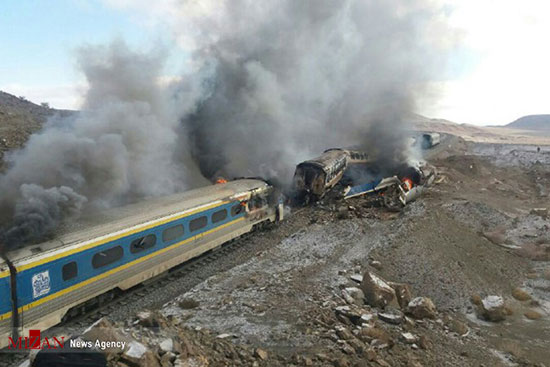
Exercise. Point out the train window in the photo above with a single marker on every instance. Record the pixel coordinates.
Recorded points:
(236, 209)
(69, 270)
(143, 243)
(172, 233)
(219, 216)
(198, 223)
(107, 257)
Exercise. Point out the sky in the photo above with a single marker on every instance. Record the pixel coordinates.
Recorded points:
(500, 73)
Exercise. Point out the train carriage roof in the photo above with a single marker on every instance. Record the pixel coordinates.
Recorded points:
(108, 221)
(327, 159)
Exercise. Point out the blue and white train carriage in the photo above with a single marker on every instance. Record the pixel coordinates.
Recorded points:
(124, 247)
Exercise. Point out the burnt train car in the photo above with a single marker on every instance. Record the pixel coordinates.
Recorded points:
(313, 178)
(430, 140)
(123, 247)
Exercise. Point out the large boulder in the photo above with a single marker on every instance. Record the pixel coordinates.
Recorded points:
(492, 308)
(138, 354)
(402, 293)
(378, 293)
(422, 308)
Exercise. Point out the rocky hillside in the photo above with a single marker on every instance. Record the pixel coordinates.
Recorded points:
(19, 118)
(532, 122)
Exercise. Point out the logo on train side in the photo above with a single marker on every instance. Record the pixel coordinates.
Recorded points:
(41, 284)
(35, 341)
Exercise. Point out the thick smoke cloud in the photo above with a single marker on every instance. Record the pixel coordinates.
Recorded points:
(292, 78)
(123, 146)
(271, 83)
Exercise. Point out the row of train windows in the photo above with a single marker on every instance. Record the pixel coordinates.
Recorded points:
(106, 257)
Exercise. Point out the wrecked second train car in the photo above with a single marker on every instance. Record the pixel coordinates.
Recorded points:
(399, 190)
(315, 177)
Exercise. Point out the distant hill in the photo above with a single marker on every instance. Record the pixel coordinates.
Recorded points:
(19, 118)
(532, 122)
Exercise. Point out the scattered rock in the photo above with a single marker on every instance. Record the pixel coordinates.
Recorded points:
(458, 327)
(392, 317)
(367, 318)
(138, 354)
(343, 333)
(422, 308)
(224, 336)
(353, 295)
(377, 292)
(424, 342)
(260, 353)
(371, 333)
(521, 295)
(146, 319)
(383, 363)
(542, 212)
(167, 360)
(402, 293)
(188, 303)
(357, 278)
(167, 345)
(409, 338)
(532, 315)
(376, 264)
(492, 308)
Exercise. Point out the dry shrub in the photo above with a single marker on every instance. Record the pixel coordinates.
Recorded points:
(521, 295)
(532, 315)
(475, 299)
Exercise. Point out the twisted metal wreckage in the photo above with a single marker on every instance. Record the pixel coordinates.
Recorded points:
(314, 178)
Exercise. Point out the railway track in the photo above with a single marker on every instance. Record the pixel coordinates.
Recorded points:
(78, 319)
(109, 304)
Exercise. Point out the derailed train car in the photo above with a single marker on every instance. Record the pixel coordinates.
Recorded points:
(315, 177)
(430, 140)
(122, 247)
(398, 190)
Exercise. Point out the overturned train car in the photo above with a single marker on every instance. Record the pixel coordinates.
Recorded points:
(315, 177)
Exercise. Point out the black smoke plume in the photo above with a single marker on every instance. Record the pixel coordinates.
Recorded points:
(273, 83)
(123, 146)
(289, 79)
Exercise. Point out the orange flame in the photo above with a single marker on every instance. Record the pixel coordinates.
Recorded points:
(221, 180)
(407, 183)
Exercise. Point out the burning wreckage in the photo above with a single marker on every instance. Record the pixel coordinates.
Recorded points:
(350, 173)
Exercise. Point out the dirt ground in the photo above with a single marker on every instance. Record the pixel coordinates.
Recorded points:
(472, 235)
(289, 294)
